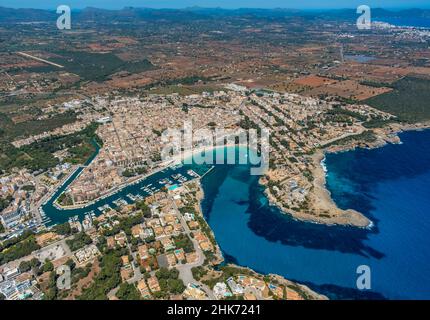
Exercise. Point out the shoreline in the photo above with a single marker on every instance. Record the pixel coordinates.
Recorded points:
(105, 195)
(177, 159)
(220, 260)
(324, 209)
(324, 201)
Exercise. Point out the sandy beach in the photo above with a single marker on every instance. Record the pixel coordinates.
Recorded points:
(322, 208)
(176, 159)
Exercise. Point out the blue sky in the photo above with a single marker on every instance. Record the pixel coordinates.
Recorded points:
(302, 4)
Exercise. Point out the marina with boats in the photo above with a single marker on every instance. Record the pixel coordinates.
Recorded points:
(168, 179)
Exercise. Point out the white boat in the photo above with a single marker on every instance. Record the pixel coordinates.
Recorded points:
(131, 197)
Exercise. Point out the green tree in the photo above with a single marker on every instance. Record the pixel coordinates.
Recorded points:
(19, 250)
(128, 291)
(34, 263)
(71, 264)
(62, 229)
(24, 266)
(51, 291)
(169, 280)
(144, 208)
(176, 286)
(79, 241)
(107, 279)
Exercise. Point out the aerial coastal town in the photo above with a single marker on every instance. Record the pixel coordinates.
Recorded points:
(80, 126)
(298, 127)
(158, 248)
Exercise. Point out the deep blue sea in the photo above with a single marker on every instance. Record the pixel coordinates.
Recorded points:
(390, 185)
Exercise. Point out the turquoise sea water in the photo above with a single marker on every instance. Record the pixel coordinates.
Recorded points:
(390, 185)
(56, 216)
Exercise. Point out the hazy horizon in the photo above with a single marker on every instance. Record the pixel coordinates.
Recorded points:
(177, 4)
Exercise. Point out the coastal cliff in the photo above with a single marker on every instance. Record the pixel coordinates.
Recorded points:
(216, 269)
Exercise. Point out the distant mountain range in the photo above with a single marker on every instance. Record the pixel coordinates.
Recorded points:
(130, 14)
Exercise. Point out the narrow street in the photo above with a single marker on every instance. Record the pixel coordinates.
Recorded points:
(185, 272)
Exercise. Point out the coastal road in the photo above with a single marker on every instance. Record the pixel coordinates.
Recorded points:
(360, 131)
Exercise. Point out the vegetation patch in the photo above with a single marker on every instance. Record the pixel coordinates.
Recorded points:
(79, 241)
(11, 130)
(409, 100)
(366, 136)
(169, 281)
(98, 66)
(128, 291)
(17, 248)
(107, 279)
(39, 155)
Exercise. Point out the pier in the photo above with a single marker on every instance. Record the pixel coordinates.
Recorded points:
(211, 168)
